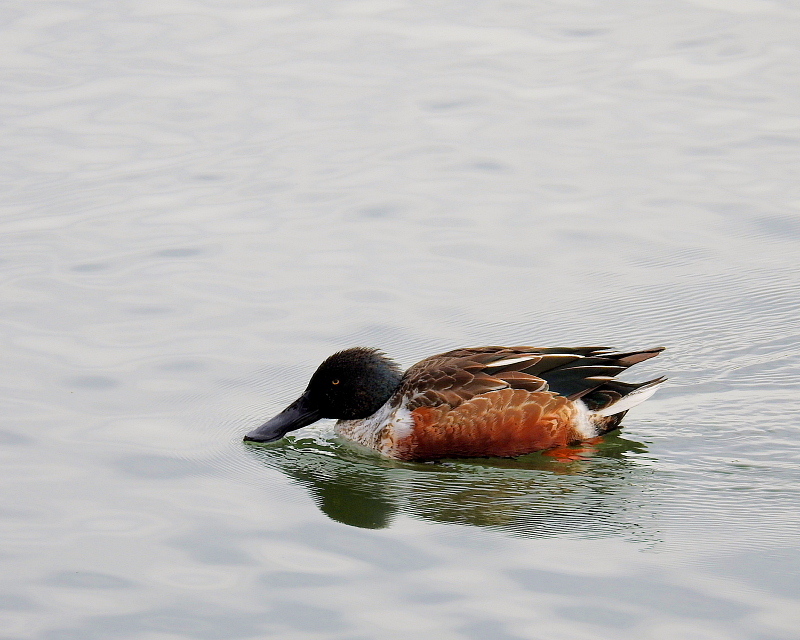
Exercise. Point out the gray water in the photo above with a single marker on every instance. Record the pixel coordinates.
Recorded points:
(204, 199)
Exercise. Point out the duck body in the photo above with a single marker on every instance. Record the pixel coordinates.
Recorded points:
(474, 402)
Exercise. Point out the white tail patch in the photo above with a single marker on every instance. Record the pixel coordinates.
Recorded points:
(583, 421)
(631, 400)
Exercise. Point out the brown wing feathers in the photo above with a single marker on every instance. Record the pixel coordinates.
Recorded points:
(457, 376)
(519, 380)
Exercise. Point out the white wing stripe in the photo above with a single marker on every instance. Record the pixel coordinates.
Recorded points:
(509, 361)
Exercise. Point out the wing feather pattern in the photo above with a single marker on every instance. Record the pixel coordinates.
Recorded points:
(458, 376)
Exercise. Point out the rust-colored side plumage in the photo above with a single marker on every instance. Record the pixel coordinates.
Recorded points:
(506, 423)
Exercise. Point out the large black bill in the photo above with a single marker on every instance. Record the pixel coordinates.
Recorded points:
(296, 415)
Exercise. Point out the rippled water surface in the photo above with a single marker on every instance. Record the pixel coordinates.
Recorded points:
(203, 199)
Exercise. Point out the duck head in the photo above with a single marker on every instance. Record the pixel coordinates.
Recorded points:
(350, 385)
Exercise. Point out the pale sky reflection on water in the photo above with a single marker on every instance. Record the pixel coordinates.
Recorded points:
(202, 200)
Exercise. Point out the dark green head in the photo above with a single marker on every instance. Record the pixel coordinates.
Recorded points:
(350, 385)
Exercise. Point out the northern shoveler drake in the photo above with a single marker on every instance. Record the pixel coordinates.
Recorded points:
(477, 402)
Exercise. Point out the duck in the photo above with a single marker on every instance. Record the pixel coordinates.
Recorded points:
(488, 401)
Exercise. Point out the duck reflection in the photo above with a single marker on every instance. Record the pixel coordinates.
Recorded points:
(588, 490)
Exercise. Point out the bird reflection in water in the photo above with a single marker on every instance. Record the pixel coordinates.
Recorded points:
(588, 490)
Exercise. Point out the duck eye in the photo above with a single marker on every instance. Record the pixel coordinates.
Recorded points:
(334, 381)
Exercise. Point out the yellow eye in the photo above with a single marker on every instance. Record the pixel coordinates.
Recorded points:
(334, 381)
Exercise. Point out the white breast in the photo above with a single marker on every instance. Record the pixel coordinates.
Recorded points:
(380, 430)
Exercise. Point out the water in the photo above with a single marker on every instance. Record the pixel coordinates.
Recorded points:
(202, 200)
